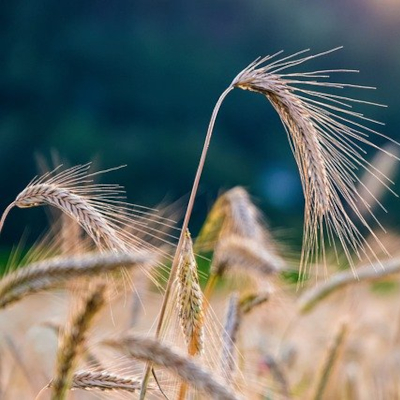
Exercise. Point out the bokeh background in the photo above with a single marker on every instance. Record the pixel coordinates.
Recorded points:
(134, 82)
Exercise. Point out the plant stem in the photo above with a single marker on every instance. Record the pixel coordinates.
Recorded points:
(185, 225)
(366, 273)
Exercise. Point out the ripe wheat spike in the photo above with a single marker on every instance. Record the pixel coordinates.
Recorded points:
(98, 208)
(326, 138)
(190, 298)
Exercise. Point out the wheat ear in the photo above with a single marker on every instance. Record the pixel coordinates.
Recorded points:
(72, 340)
(325, 135)
(97, 208)
(189, 371)
(240, 238)
(104, 381)
(236, 252)
(233, 213)
(190, 298)
(51, 273)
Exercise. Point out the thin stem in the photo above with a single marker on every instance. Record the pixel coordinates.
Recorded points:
(5, 213)
(183, 230)
(330, 361)
(367, 273)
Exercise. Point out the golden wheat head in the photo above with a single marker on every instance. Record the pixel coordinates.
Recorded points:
(326, 138)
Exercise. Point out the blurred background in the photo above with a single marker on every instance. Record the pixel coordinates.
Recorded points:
(134, 82)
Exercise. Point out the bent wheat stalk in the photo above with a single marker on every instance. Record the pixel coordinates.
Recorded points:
(51, 273)
(366, 273)
(194, 374)
(185, 225)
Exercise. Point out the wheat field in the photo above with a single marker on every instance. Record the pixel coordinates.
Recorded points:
(111, 302)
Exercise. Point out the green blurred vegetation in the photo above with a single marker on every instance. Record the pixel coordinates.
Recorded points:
(134, 82)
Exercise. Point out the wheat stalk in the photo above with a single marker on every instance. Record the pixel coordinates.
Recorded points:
(330, 361)
(185, 225)
(105, 381)
(151, 350)
(278, 375)
(72, 340)
(366, 273)
(51, 273)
